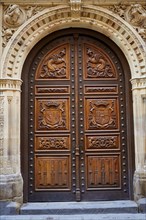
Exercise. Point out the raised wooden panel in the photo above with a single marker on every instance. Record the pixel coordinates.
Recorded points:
(102, 89)
(52, 114)
(97, 64)
(103, 171)
(101, 114)
(55, 65)
(104, 142)
(52, 172)
(51, 90)
(52, 142)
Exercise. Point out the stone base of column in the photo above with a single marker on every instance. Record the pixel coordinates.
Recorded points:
(139, 184)
(11, 188)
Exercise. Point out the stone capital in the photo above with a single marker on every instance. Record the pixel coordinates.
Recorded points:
(10, 84)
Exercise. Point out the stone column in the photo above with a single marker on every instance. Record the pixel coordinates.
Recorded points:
(11, 184)
(139, 105)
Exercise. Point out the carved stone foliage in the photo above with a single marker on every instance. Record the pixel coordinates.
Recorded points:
(98, 66)
(134, 14)
(14, 16)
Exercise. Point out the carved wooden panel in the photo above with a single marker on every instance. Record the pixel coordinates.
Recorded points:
(52, 114)
(52, 90)
(101, 114)
(97, 64)
(55, 65)
(77, 122)
(104, 142)
(102, 89)
(52, 172)
(103, 171)
(52, 142)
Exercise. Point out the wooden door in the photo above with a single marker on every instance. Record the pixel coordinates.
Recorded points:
(77, 135)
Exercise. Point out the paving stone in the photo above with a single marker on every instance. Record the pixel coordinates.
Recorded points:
(68, 208)
(125, 216)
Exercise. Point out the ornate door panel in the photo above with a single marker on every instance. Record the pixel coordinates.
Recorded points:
(78, 147)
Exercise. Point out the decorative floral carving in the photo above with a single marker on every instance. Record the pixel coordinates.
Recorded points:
(134, 14)
(102, 142)
(98, 66)
(15, 16)
(55, 66)
(52, 143)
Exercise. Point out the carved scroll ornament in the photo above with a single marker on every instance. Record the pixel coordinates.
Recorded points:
(102, 142)
(52, 143)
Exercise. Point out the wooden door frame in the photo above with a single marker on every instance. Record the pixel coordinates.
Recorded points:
(25, 105)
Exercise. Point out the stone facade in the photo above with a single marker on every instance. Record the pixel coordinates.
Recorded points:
(23, 24)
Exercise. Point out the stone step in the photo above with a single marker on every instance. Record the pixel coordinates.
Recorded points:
(71, 208)
(124, 216)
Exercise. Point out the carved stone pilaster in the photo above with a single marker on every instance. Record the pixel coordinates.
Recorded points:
(139, 185)
(1, 124)
(11, 183)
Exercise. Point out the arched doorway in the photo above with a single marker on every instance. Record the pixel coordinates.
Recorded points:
(77, 130)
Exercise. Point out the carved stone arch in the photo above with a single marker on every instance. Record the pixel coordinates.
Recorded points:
(91, 17)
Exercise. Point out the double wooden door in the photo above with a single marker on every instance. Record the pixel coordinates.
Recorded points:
(77, 135)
